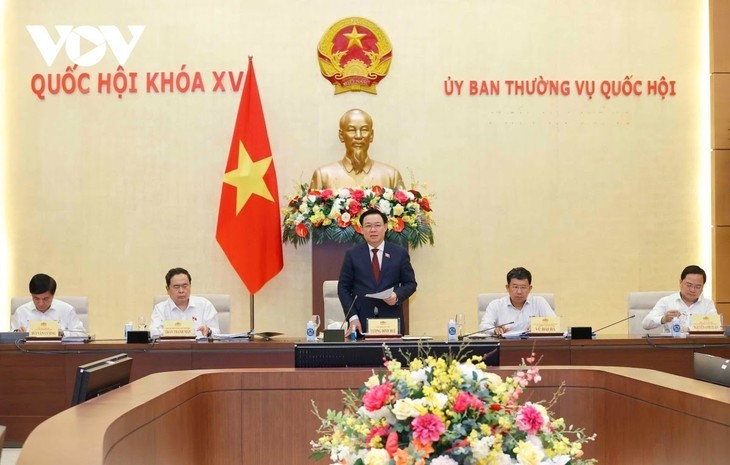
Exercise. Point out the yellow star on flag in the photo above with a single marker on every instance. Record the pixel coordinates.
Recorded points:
(354, 37)
(248, 178)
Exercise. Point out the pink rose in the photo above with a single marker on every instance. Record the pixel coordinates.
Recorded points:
(401, 197)
(357, 194)
(354, 207)
(530, 419)
(377, 431)
(465, 400)
(377, 396)
(427, 428)
(327, 194)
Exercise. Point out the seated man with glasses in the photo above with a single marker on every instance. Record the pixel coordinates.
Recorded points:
(183, 306)
(683, 304)
(513, 311)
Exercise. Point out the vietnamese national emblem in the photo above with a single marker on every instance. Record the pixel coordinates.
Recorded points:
(354, 55)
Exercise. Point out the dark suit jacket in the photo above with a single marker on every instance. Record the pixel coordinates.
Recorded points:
(357, 279)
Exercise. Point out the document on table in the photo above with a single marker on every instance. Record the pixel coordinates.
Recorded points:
(381, 295)
(516, 334)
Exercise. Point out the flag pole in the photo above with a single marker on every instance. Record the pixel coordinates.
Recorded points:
(249, 218)
(251, 316)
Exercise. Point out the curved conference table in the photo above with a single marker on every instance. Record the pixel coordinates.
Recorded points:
(263, 416)
(37, 379)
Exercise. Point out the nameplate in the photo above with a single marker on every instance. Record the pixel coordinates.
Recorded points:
(383, 326)
(705, 323)
(544, 324)
(43, 329)
(178, 328)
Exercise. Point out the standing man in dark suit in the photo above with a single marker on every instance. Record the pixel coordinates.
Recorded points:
(374, 267)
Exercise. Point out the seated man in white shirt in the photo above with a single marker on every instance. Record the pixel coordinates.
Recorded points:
(516, 308)
(183, 306)
(43, 307)
(683, 304)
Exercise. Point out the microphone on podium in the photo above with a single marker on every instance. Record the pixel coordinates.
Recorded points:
(338, 335)
(579, 332)
(462, 337)
(347, 313)
(615, 323)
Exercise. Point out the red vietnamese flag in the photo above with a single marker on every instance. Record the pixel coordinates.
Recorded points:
(249, 230)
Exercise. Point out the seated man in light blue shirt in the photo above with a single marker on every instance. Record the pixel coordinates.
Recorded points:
(683, 304)
(516, 308)
(44, 307)
(183, 306)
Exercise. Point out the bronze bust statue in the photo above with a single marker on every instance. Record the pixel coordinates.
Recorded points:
(356, 169)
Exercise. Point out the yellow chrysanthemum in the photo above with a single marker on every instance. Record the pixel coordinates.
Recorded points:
(416, 364)
(376, 442)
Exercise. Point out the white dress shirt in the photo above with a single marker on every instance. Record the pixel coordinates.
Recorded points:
(501, 311)
(60, 311)
(379, 254)
(200, 311)
(703, 306)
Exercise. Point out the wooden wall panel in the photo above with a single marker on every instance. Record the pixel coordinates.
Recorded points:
(724, 310)
(720, 91)
(719, 36)
(721, 263)
(721, 186)
(720, 98)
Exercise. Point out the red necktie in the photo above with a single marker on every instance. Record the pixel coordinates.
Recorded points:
(376, 265)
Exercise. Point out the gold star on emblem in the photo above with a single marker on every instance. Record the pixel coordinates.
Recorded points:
(354, 37)
(248, 178)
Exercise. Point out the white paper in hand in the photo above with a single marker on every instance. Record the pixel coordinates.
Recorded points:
(381, 295)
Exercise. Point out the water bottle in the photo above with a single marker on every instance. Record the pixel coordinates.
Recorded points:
(452, 331)
(311, 328)
(675, 327)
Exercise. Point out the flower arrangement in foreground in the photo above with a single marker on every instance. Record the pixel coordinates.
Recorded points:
(442, 411)
(334, 214)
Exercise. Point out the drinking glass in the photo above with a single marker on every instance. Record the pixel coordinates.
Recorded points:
(316, 321)
(142, 322)
(460, 322)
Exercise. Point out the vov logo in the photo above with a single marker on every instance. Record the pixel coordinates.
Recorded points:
(71, 37)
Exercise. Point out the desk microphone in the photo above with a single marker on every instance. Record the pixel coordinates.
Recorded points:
(338, 335)
(347, 313)
(461, 338)
(614, 323)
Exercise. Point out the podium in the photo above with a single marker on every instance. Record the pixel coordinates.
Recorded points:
(327, 260)
(370, 353)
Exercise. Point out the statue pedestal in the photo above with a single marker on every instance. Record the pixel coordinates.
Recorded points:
(326, 263)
